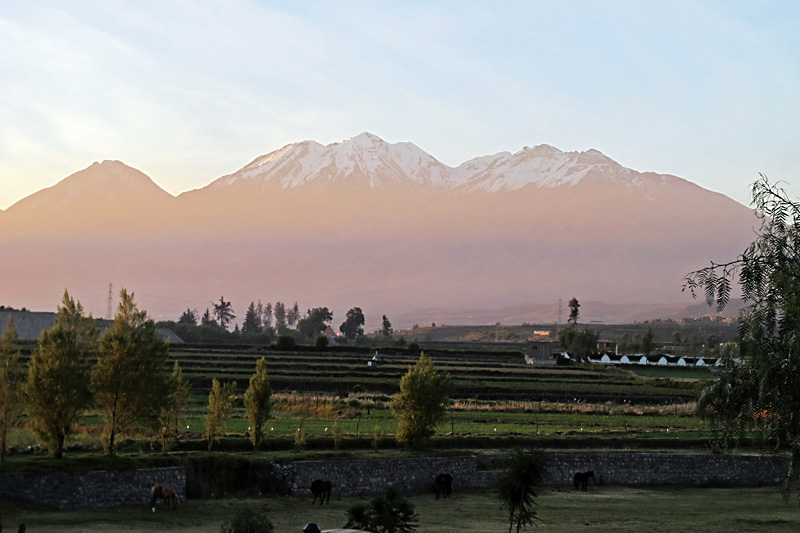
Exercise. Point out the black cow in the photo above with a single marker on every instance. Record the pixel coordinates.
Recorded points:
(443, 484)
(321, 488)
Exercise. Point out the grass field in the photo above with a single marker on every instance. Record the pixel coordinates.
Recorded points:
(603, 508)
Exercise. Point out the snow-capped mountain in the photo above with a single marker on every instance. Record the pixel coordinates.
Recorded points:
(384, 226)
(364, 161)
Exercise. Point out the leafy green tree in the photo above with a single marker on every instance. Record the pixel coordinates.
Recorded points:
(188, 317)
(385, 513)
(759, 389)
(128, 382)
(648, 341)
(315, 322)
(422, 402)
(386, 329)
(352, 326)
(11, 378)
(293, 315)
(207, 319)
(258, 402)
(280, 316)
(252, 320)
(266, 316)
(578, 343)
(58, 375)
(223, 312)
(220, 403)
(516, 489)
(173, 407)
(574, 307)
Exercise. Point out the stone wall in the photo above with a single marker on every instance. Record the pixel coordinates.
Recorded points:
(416, 475)
(98, 489)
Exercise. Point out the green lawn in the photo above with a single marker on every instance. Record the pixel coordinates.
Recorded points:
(603, 508)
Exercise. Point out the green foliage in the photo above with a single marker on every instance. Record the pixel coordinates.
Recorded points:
(376, 437)
(258, 402)
(352, 326)
(58, 375)
(223, 312)
(516, 489)
(252, 320)
(188, 317)
(11, 376)
(574, 311)
(648, 341)
(422, 402)
(280, 316)
(220, 404)
(759, 389)
(578, 343)
(321, 341)
(385, 513)
(386, 329)
(286, 342)
(315, 322)
(128, 381)
(173, 408)
(337, 435)
(248, 520)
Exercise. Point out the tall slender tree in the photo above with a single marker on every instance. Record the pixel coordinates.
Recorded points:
(220, 403)
(386, 329)
(251, 320)
(129, 381)
(266, 316)
(293, 315)
(173, 407)
(58, 375)
(258, 401)
(280, 316)
(11, 376)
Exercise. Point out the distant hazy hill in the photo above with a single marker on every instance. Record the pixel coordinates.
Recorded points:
(367, 223)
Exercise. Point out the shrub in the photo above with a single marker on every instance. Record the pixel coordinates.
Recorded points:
(286, 342)
(321, 342)
(248, 520)
(385, 513)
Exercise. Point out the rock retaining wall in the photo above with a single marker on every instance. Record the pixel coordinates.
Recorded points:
(93, 490)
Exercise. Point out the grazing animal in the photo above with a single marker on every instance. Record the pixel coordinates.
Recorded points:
(163, 492)
(443, 484)
(321, 488)
(581, 479)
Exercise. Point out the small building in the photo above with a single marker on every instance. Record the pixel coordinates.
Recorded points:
(542, 353)
(373, 363)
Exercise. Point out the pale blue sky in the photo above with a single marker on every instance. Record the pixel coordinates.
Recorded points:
(189, 91)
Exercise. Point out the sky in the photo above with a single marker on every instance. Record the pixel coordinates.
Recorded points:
(189, 91)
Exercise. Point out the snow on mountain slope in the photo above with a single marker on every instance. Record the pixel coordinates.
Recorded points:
(364, 160)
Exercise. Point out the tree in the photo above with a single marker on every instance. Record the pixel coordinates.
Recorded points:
(352, 326)
(224, 312)
(258, 401)
(266, 316)
(386, 329)
(188, 317)
(293, 315)
(280, 316)
(648, 341)
(220, 403)
(574, 306)
(315, 322)
(386, 513)
(207, 319)
(252, 320)
(758, 390)
(128, 382)
(11, 376)
(516, 489)
(578, 343)
(422, 402)
(173, 408)
(58, 375)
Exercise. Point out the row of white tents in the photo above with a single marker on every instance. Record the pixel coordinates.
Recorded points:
(657, 359)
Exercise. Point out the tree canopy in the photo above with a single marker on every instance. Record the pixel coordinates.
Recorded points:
(759, 389)
(258, 401)
(57, 388)
(129, 381)
(352, 326)
(315, 322)
(11, 375)
(224, 312)
(422, 402)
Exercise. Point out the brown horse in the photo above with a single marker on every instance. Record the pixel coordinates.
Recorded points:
(163, 492)
(321, 488)
(443, 484)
